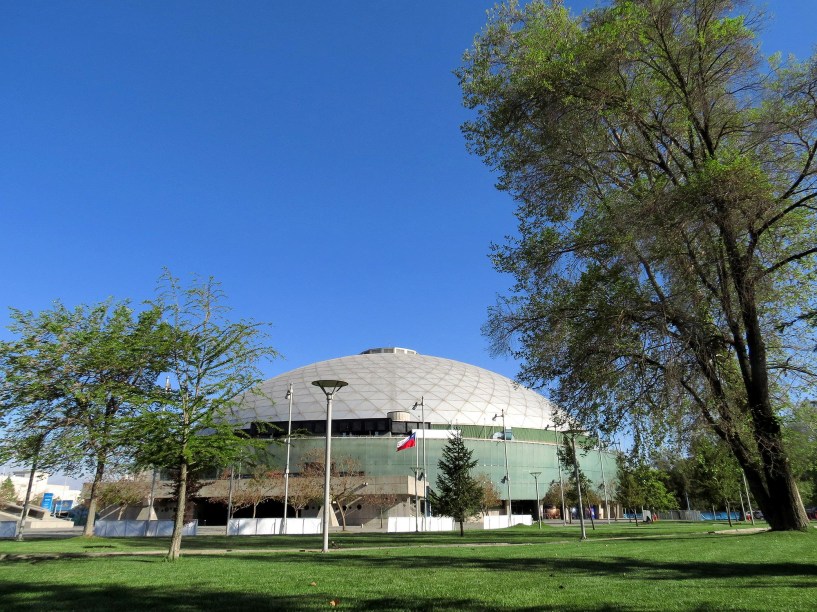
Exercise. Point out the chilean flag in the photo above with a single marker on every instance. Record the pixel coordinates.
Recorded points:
(407, 442)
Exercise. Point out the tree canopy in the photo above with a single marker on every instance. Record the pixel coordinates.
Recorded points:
(665, 180)
(71, 377)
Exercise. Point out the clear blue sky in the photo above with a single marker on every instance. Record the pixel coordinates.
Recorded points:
(306, 155)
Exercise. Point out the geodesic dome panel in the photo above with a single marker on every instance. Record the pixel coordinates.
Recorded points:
(381, 381)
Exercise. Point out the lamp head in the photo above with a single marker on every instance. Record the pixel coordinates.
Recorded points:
(330, 386)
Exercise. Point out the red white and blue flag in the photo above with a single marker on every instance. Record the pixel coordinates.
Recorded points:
(407, 442)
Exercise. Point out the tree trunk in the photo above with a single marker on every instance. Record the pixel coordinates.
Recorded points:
(781, 498)
(342, 517)
(27, 503)
(775, 492)
(462, 528)
(88, 530)
(178, 523)
(728, 514)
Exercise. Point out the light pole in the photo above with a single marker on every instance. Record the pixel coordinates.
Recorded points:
(425, 462)
(573, 433)
(329, 388)
(604, 482)
(507, 474)
(538, 505)
(289, 445)
(230, 500)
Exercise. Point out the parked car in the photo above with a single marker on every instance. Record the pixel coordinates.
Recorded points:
(758, 515)
(812, 513)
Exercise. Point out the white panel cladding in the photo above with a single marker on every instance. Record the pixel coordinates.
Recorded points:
(379, 383)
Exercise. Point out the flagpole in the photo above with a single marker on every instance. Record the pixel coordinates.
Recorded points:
(416, 483)
(425, 462)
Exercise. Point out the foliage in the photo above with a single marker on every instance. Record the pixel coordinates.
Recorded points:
(567, 458)
(123, 492)
(72, 376)
(303, 489)
(249, 492)
(345, 485)
(800, 432)
(641, 486)
(8, 494)
(665, 181)
(383, 502)
(716, 475)
(458, 493)
(212, 364)
(490, 497)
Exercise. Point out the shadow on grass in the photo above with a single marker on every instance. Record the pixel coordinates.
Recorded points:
(42, 595)
(629, 568)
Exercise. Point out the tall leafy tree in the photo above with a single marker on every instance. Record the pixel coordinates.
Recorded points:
(213, 362)
(716, 475)
(666, 181)
(458, 493)
(74, 375)
(801, 439)
(640, 486)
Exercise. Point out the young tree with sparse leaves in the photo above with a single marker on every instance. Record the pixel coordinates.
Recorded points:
(458, 494)
(666, 179)
(212, 363)
(490, 497)
(345, 486)
(123, 492)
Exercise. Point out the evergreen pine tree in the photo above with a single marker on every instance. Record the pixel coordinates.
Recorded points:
(8, 495)
(458, 493)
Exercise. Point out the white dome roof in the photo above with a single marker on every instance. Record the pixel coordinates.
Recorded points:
(393, 379)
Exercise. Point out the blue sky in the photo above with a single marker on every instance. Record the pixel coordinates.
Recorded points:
(308, 157)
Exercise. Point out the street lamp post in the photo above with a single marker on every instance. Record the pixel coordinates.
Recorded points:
(538, 505)
(230, 501)
(604, 483)
(329, 388)
(422, 405)
(507, 473)
(286, 470)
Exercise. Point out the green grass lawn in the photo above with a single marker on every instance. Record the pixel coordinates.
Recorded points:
(658, 567)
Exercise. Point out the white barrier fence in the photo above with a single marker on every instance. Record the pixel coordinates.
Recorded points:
(502, 522)
(8, 529)
(404, 524)
(274, 526)
(140, 529)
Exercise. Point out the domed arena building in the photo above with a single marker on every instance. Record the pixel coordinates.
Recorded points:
(394, 392)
